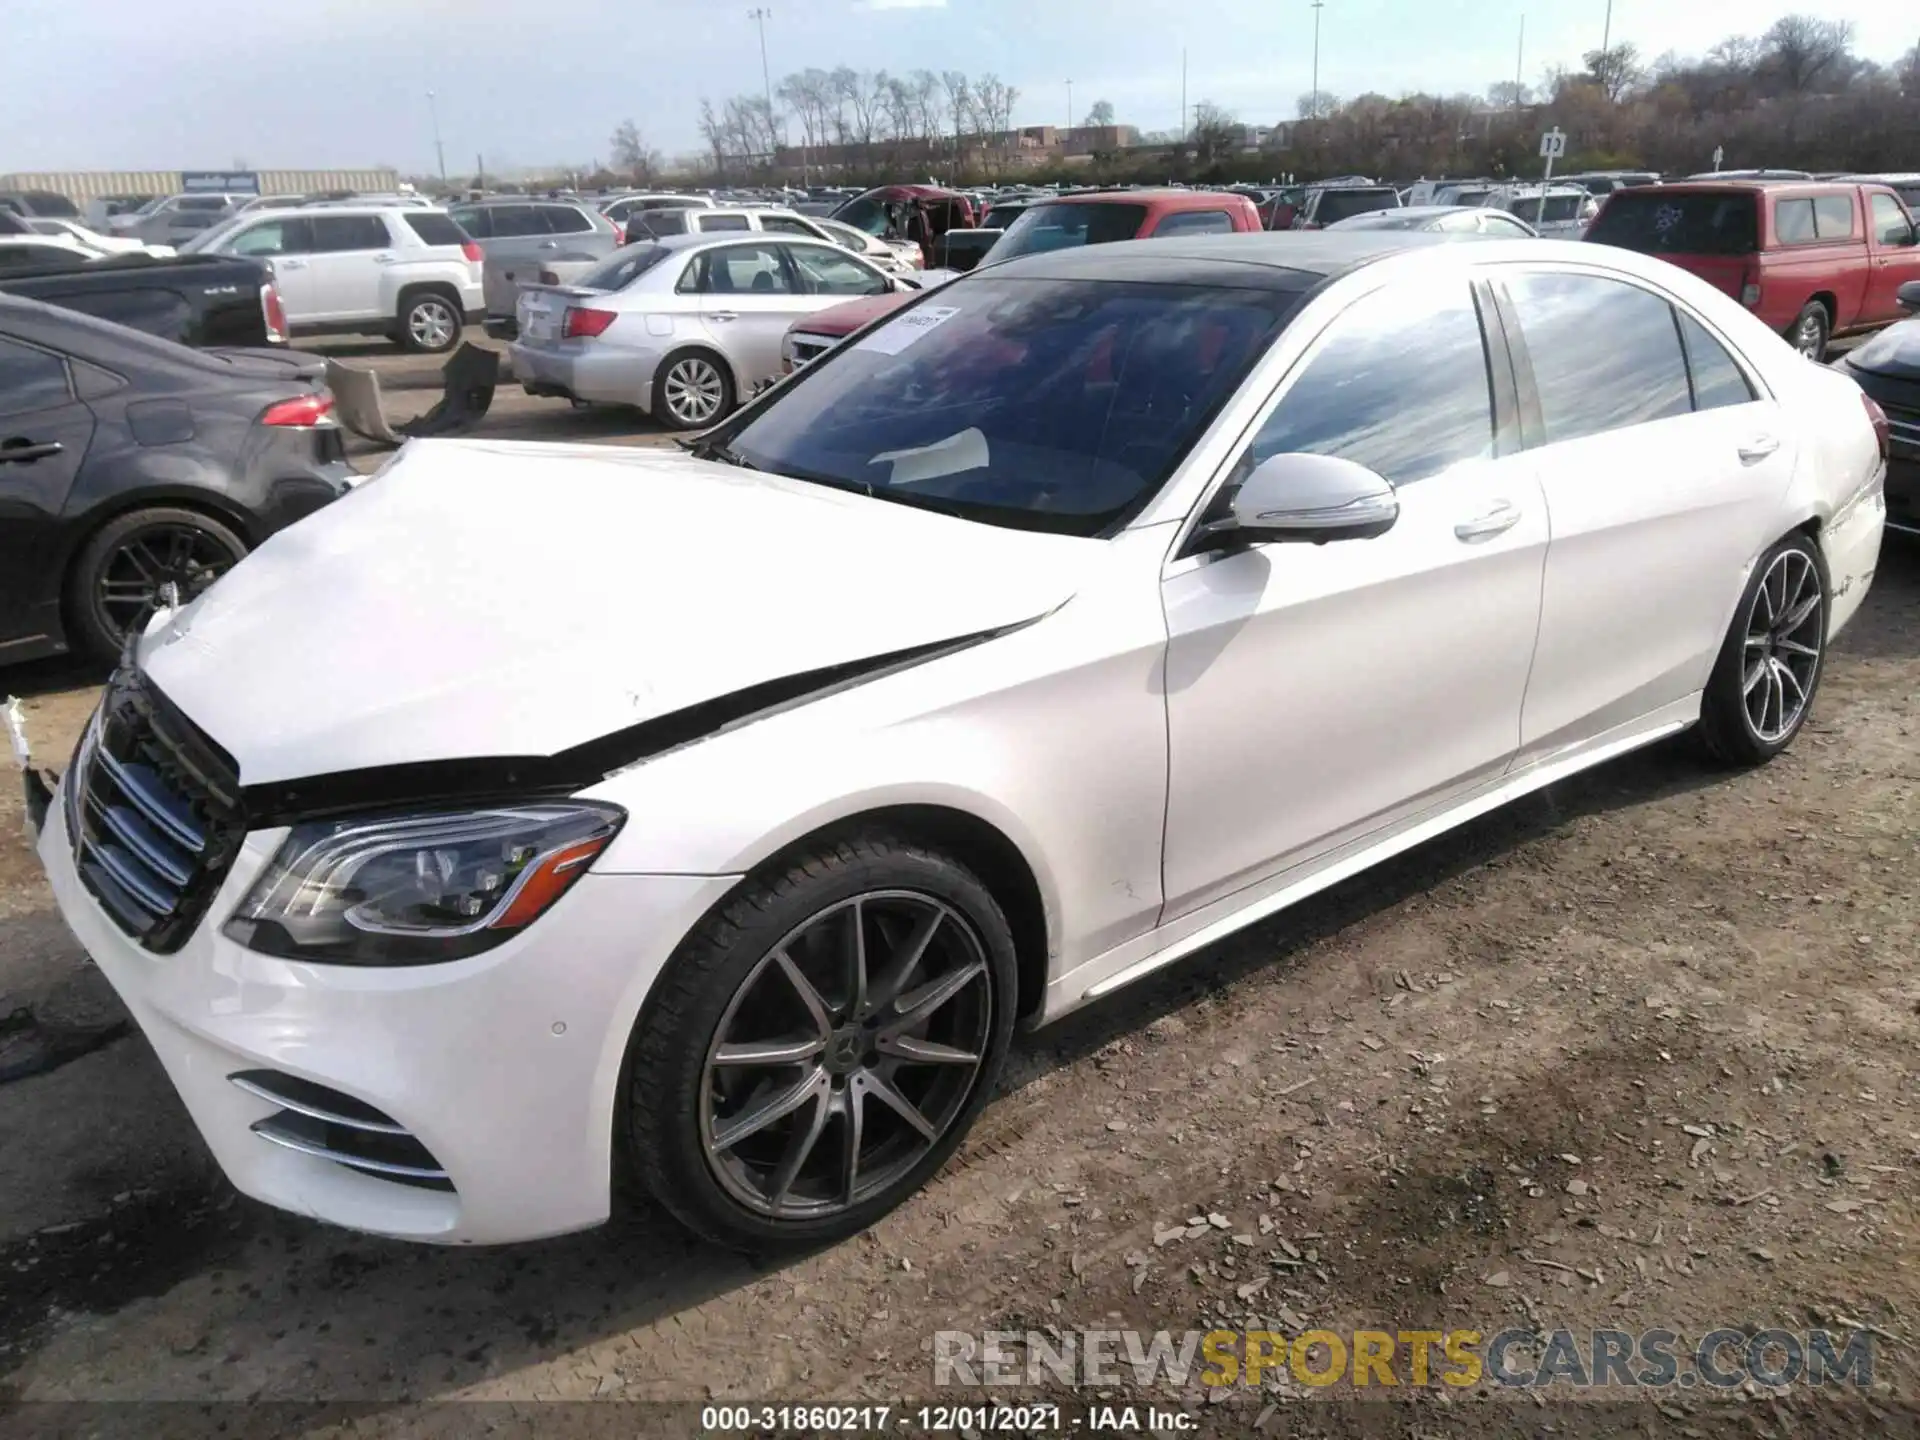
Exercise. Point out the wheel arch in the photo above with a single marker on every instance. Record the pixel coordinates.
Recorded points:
(446, 289)
(697, 347)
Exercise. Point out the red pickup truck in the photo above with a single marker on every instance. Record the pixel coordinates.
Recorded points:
(1813, 259)
(1095, 217)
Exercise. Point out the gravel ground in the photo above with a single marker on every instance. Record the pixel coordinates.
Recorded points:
(1637, 1052)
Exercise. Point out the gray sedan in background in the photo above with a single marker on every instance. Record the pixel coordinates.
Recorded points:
(686, 327)
(527, 241)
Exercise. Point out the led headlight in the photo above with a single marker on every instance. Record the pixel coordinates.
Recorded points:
(416, 889)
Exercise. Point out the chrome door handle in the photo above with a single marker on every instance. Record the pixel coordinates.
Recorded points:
(1500, 518)
(291, 264)
(549, 244)
(1758, 449)
(722, 315)
(383, 259)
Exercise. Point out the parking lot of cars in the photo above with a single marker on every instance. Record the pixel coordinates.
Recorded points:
(1555, 960)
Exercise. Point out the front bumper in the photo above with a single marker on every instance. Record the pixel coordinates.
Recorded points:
(505, 1066)
(599, 376)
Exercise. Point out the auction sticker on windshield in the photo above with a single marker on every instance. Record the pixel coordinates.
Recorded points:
(898, 334)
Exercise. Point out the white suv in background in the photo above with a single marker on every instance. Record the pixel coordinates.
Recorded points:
(408, 272)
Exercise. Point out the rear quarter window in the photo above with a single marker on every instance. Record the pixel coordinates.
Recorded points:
(156, 312)
(1689, 224)
(1339, 204)
(1833, 216)
(436, 229)
(565, 220)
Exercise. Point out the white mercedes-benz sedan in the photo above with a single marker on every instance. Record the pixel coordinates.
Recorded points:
(536, 813)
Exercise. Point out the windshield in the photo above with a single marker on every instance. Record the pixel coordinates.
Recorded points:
(1339, 204)
(1660, 222)
(1036, 404)
(1063, 227)
(623, 267)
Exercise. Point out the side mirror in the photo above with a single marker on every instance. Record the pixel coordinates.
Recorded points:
(1296, 497)
(1907, 297)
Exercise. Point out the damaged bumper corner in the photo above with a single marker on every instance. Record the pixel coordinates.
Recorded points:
(39, 794)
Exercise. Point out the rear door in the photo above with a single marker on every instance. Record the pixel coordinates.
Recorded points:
(44, 434)
(1663, 465)
(572, 245)
(350, 254)
(1895, 256)
(515, 234)
(749, 294)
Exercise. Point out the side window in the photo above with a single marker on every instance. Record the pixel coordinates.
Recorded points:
(1400, 386)
(1890, 224)
(1833, 217)
(864, 215)
(1196, 222)
(476, 220)
(832, 272)
(156, 312)
(513, 220)
(659, 222)
(35, 254)
(787, 225)
(273, 237)
(1793, 221)
(738, 270)
(30, 379)
(1717, 381)
(711, 223)
(335, 234)
(1637, 376)
(565, 220)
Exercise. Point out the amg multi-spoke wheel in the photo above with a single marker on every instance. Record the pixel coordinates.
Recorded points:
(137, 562)
(821, 1044)
(1764, 682)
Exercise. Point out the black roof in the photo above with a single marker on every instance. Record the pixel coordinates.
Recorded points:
(1288, 260)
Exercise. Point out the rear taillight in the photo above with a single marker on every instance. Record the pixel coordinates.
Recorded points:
(1750, 286)
(619, 235)
(471, 251)
(274, 314)
(302, 410)
(584, 324)
(1882, 434)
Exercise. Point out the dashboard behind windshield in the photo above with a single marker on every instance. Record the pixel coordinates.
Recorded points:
(1037, 404)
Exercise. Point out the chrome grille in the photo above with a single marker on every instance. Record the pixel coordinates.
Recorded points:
(321, 1122)
(1903, 429)
(806, 349)
(154, 810)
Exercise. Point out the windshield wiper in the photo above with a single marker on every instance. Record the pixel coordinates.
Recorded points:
(710, 449)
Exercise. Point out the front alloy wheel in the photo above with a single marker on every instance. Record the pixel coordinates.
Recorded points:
(820, 1044)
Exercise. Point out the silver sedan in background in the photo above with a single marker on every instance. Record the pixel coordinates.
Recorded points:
(685, 327)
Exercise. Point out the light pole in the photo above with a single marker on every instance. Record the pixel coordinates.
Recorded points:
(760, 15)
(438, 149)
(1318, 6)
(1069, 105)
(1606, 31)
(1519, 59)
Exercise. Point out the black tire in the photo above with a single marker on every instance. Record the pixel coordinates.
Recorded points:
(1810, 331)
(1727, 724)
(677, 418)
(96, 624)
(667, 1063)
(429, 322)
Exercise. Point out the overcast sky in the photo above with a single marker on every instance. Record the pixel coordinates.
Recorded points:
(106, 85)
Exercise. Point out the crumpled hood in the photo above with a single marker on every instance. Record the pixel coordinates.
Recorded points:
(1894, 352)
(500, 599)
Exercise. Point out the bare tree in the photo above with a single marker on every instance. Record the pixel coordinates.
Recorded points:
(866, 97)
(1216, 132)
(1615, 71)
(1509, 94)
(959, 101)
(1741, 53)
(1315, 104)
(809, 96)
(994, 100)
(1099, 115)
(1805, 52)
(632, 154)
(714, 131)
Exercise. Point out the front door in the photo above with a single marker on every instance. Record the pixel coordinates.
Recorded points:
(750, 294)
(1895, 258)
(44, 434)
(284, 244)
(1318, 692)
(1662, 479)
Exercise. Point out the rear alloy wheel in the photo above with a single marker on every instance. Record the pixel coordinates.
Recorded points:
(692, 391)
(123, 573)
(1810, 331)
(821, 1045)
(1763, 684)
(429, 324)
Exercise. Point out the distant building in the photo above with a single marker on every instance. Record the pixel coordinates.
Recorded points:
(1030, 145)
(82, 186)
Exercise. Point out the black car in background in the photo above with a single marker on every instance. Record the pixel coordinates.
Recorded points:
(193, 299)
(1887, 367)
(129, 463)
